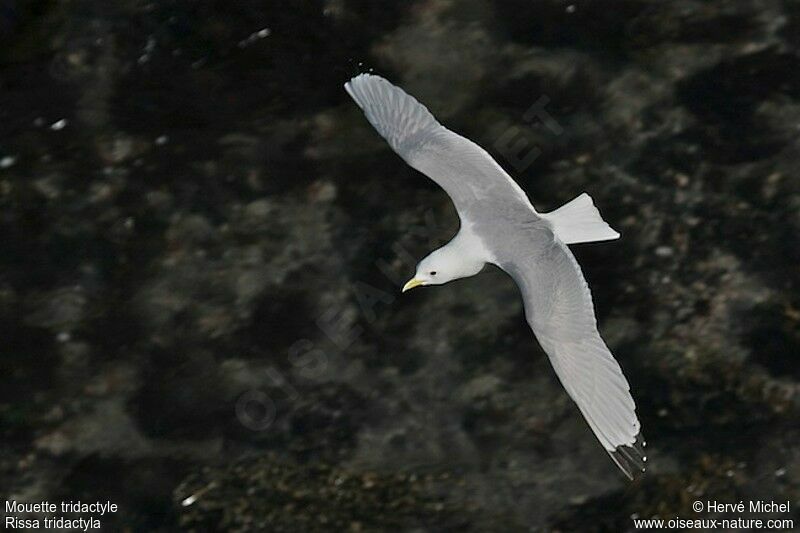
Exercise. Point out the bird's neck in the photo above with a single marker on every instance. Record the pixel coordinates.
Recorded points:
(468, 252)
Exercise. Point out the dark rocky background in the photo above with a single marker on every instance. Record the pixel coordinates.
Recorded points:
(203, 239)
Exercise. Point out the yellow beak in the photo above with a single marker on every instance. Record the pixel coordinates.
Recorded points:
(413, 282)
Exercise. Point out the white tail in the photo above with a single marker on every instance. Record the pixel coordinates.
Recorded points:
(579, 221)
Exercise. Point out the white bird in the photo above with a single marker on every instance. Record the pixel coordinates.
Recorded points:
(499, 225)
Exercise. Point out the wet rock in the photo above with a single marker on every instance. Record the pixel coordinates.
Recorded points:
(284, 496)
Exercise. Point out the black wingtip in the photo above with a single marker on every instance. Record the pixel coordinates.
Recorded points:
(631, 459)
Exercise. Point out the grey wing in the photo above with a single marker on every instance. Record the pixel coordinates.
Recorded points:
(559, 309)
(462, 168)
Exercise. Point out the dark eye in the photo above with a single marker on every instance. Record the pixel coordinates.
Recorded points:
(433, 273)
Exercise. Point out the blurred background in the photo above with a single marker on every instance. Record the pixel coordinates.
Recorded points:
(203, 241)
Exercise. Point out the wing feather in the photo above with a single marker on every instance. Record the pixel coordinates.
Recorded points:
(559, 309)
(466, 172)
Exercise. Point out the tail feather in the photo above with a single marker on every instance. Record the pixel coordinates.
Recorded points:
(579, 221)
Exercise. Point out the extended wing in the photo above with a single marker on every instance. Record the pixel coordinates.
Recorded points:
(559, 309)
(466, 172)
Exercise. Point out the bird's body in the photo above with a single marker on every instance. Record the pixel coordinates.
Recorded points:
(499, 225)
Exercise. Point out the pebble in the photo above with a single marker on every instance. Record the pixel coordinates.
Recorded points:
(664, 251)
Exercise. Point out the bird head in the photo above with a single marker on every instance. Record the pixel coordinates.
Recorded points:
(441, 266)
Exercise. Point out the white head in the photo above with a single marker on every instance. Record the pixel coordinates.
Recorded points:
(443, 265)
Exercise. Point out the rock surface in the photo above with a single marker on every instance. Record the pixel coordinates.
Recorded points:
(203, 241)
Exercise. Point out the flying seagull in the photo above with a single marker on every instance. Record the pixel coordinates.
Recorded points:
(499, 225)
